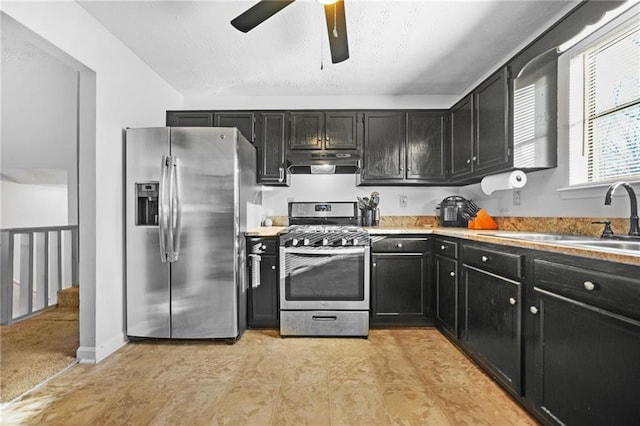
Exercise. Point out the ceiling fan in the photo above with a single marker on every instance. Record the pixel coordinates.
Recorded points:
(334, 14)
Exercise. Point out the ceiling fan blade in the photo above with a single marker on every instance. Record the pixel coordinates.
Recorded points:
(337, 29)
(258, 13)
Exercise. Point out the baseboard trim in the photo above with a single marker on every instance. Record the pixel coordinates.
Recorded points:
(93, 355)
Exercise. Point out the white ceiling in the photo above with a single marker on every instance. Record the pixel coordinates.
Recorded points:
(396, 47)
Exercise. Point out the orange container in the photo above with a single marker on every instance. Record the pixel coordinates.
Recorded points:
(482, 221)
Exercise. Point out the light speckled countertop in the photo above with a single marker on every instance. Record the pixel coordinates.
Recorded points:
(486, 236)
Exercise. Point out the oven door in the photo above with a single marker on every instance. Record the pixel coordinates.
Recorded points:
(324, 278)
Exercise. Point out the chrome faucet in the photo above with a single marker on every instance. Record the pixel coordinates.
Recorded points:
(633, 219)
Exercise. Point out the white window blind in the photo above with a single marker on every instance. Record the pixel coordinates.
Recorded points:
(608, 122)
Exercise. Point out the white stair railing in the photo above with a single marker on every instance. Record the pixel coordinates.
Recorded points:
(35, 263)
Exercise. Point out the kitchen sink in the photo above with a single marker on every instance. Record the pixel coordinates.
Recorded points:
(629, 247)
(621, 246)
(538, 237)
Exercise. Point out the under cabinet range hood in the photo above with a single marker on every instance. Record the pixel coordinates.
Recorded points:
(324, 162)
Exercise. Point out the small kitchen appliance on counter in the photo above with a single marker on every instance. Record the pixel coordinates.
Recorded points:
(452, 211)
(324, 271)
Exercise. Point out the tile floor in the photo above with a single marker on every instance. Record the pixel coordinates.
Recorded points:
(396, 376)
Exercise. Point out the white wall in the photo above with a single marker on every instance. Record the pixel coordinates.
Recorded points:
(25, 206)
(421, 200)
(39, 118)
(117, 90)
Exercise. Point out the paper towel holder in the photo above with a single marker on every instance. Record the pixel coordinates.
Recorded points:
(515, 179)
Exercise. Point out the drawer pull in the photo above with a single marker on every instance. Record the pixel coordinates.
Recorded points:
(273, 267)
(453, 274)
(533, 310)
(399, 245)
(443, 247)
(484, 259)
(512, 301)
(588, 285)
(324, 318)
(263, 247)
(374, 264)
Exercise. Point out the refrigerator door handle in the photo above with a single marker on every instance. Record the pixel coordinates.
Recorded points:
(162, 209)
(176, 209)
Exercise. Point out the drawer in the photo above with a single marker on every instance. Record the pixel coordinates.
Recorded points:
(324, 323)
(445, 248)
(616, 293)
(400, 245)
(497, 262)
(262, 245)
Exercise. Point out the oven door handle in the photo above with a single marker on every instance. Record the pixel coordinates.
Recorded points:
(324, 251)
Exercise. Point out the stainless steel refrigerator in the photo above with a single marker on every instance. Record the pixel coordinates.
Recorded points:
(188, 191)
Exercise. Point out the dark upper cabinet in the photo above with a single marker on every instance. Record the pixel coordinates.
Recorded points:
(384, 148)
(461, 138)
(491, 123)
(425, 146)
(317, 130)
(341, 130)
(404, 148)
(189, 118)
(244, 121)
(271, 139)
(480, 139)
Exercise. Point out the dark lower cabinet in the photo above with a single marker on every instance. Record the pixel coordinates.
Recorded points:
(400, 282)
(446, 283)
(492, 323)
(587, 368)
(263, 294)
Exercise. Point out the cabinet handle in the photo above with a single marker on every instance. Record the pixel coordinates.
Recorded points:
(319, 139)
(443, 247)
(408, 169)
(588, 285)
(453, 274)
(263, 247)
(374, 264)
(399, 245)
(281, 171)
(468, 161)
(273, 267)
(533, 310)
(485, 259)
(327, 139)
(512, 301)
(401, 168)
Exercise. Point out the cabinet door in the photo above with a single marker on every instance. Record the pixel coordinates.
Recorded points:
(446, 275)
(244, 121)
(190, 118)
(492, 323)
(263, 299)
(306, 130)
(461, 138)
(384, 138)
(425, 146)
(399, 288)
(341, 130)
(271, 140)
(492, 139)
(586, 363)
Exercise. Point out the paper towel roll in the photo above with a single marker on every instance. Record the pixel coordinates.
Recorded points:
(509, 180)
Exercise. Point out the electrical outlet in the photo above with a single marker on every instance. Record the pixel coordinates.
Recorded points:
(516, 198)
(404, 200)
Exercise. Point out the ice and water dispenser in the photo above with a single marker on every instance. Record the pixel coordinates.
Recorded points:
(147, 203)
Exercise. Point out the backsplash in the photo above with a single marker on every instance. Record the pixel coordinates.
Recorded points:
(560, 225)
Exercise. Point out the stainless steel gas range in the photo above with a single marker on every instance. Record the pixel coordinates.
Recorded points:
(324, 271)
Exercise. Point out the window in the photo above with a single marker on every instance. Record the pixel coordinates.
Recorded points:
(605, 107)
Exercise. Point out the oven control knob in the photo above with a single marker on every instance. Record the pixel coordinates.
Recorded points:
(294, 242)
(325, 241)
(344, 241)
(355, 241)
(305, 242)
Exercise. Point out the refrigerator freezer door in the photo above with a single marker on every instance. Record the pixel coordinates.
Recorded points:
(203, 282)
(148, 292)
